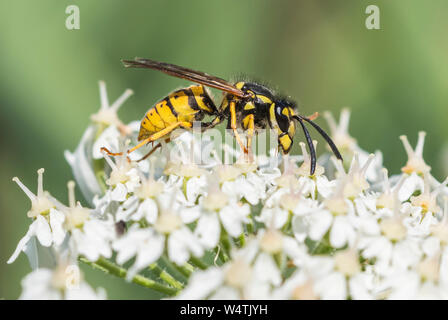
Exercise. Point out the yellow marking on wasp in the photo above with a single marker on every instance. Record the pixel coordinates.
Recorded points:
(155, 119)
(165, 113)
(272, 116)
(179, 101)
(264, 99)
(199, 92)
(291, 112)
(249, 106)
(239, 85)
(291, 129)
(285, 142)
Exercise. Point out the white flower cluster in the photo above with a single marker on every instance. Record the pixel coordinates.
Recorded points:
(248, 230)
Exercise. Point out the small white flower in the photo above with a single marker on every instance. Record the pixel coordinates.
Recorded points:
(62, 283)
(107, 115)
(94, 239)
(145, 244)
(415, 163)
(47, 223)
(124, 178)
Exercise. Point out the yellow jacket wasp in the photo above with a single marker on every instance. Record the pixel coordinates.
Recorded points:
(246, 105)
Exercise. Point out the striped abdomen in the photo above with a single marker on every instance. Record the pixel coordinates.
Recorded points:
(184, 105)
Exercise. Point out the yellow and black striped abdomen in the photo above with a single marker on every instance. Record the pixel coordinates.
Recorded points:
(184, 105)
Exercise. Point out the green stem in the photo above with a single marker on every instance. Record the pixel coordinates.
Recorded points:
(288, 225)
(198, 263)
(242, 240)
(173, 269)
(186, 269)
(113, 269)
(225, 241)
(222, 256)
(250, 227)
(165, 276)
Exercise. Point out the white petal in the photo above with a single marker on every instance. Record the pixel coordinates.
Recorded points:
(410, 185)
(148, 209)
(324, 187)
(319, 222)
(177, 250)
(195, 187)
(341, 232)
(32, 254)
(148, 253)
(274, 217)
(266, 270)
(43, 231)
(202, 284)
(190, 214)
(232, 218)
(21, 246)
(359, 287)
(332, 287)
(85, 292)
(37, 286)
(56, 223)
(226, 293)
(82, 165)
(119, 193)
(208, 230)
(109, 139)
(300, 228)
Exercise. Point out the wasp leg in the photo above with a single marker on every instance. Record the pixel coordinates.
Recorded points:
(250, 132)
(162, 133)
(212, 124)
(104, 149)
(153, 150)
(154, 137)
(233, 126)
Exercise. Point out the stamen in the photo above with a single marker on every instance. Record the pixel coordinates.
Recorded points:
(71, 194)
(445, 211)
(119, 102)
(152, 169)
(344, 120)
(25, 189)
(331, 122)
(103, 96)
(40, 182)
(367, 164)
(407, 146)
(354, 166)
(306, 157)
(386, 183)
(420, 143)
(339, 166)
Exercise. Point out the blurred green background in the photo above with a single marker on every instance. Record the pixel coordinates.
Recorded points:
(395, 80)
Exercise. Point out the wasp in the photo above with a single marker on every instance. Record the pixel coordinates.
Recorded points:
(246, 105)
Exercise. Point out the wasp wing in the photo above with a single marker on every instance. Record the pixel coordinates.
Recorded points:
(185, 73)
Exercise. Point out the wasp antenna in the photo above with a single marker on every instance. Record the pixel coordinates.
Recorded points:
(309, 141)
(132, 64)
(325, 136)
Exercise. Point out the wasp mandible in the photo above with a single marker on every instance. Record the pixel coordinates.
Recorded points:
(246, 105)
